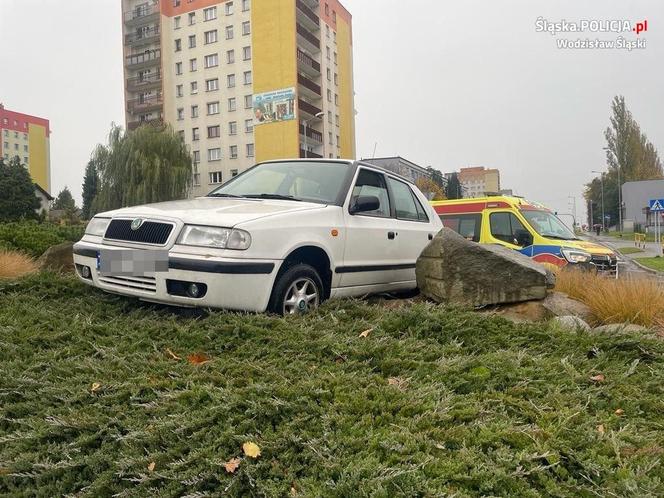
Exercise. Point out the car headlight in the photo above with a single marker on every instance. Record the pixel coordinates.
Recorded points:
(97, 226)
(220, 238)
(576, 255)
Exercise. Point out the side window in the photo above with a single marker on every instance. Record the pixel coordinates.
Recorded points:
(372, 183)
(404, 203)
(469, 226)
(508, 228)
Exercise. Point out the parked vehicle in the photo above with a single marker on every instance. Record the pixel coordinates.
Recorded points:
(525, 226)
(283, 236)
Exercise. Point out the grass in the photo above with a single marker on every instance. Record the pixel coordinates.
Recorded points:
(15, 264)
(629, 250)
(33, 238)
(653, 263)
(97, 398)
(627, 300)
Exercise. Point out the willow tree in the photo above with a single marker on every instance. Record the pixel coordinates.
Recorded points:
(149, 164)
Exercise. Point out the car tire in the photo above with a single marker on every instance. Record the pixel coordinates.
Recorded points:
(298, 290)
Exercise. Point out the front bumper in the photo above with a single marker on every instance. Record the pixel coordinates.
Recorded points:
(234, 284)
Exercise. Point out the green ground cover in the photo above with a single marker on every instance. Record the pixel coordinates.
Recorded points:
(653, 263)
(98, 398)
(630, 250)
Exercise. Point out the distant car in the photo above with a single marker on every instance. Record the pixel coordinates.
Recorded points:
(283, 236)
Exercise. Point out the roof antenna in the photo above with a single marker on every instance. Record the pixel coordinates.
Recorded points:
(374, 152)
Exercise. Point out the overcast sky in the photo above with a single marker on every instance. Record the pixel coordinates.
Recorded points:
(442, 83)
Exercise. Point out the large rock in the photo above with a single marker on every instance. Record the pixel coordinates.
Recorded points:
(58, 258)
(555, 304)
(614, 328)
(452, 269)
(572, 322)
(560, 304)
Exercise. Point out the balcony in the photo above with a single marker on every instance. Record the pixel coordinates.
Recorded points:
(308, 108)
(142, 15)
(307, 40)
(308, 17)
(146, 59)
(307, 64)
(144, 83)
(311, 89)
(313, 136)
(142, 37)
(145, 104)
(132, 125)
(309, 154)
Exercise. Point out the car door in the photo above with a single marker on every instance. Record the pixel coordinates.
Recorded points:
(413, 228)
(507, 230)
(371, 250)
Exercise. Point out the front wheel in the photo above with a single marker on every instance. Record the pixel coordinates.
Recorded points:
(297, 291)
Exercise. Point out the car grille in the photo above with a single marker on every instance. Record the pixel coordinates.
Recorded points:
(150, 232)
(148, 284)
(604, 263)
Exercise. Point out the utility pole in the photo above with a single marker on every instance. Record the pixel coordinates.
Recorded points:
(573, 207)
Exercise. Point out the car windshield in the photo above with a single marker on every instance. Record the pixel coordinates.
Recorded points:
(310, 181)
(548, 225)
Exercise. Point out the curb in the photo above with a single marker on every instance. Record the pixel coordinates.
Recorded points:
(645, 268)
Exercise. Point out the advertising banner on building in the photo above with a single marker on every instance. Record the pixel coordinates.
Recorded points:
(275, 106)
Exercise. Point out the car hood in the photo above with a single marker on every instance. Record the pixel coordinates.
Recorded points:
(591, 247)
(215, 211)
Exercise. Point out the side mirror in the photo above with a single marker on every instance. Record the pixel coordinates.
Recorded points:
(524, 238)
(364, 204)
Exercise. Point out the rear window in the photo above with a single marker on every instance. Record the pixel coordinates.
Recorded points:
(469, 226)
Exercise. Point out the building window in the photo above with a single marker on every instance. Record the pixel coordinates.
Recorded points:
(176, 22)
(212, 60)
(215, 176)
(25, 148)
(176, 3)
(195, 134)
(193, 65)
(213, 108)
(336, 119)
(336, 99)
(248, 101)
(229, 32)
(248, 125)
(6, 145)
(214, 131)
(214, 154)
(178, 91)
(329, 74)
(196, 181)
(232, 104)
(233, 151)
(335, 58)
(15, 146)
(246, 28)
(247, 77)
(210, 13)
(197, 156)
(178, 68)
(192, 18)
(194, 111)
(329, 95)
(232, 128)
(212, 85)
(329, 134)
(178, 45)
(230, 56)
(336, 79)
(193, 87)
(25, 159)
(180, 113)
(245, 5)
(246, 53)
(230, 80)
(250, 150)
(327, 10)
(233, 173)
(228, 8)
(327, 51)
(181, 134)
(192, 41)
(210, 36)
(329, 116)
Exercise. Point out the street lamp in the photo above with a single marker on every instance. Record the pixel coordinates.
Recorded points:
(620, 227)
(601, 179)
(306, 124)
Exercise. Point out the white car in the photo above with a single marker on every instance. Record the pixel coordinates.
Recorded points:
(283, 236)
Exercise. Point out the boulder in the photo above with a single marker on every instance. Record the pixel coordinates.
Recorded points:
(613, 328)
(560, 304)
(571, 322)
(58, 258)
(452, 269)
(530, 311)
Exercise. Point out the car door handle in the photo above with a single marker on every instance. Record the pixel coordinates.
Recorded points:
(391, 235)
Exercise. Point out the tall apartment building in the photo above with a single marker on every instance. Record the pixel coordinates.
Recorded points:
(242, 81)
(27, 137)
(479, 181)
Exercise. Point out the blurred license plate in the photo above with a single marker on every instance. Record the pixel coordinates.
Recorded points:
(131, 263)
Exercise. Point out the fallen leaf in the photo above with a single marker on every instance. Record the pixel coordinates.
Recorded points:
(251, 449)
(366, 333)
(440, 446)
(398, 382)
(232, 465)
(198, 358)
(597, 378)
(96, 386)
(619, 412)
(600, 429)
(151, 466)
(172, 354)
(293, 491)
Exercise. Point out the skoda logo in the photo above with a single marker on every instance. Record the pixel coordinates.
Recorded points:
(136, 224)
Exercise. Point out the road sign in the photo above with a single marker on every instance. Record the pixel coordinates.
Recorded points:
(657, 204)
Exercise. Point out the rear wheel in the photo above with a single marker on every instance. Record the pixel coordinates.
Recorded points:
(297, 291)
